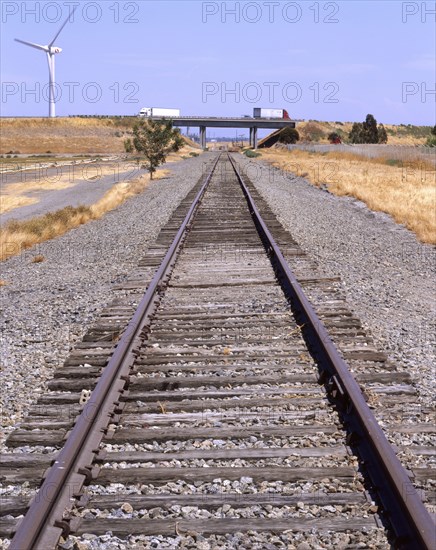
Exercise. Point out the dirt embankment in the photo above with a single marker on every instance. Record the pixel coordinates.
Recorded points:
(318, 131)
(73, 135)
(76, 135)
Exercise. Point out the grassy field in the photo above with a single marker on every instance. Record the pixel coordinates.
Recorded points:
(407, 193)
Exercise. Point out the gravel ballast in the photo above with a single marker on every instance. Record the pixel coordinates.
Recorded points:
(62, 297)
(48, 306)
(387, 274)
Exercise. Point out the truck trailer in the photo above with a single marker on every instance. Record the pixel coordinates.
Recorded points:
(270, 113)
(157, 111)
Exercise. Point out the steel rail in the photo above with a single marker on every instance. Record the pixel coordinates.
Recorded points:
(411, 522)
(42, 526)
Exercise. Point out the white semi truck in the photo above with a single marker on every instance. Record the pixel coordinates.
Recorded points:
(156, 111)
(269, 113)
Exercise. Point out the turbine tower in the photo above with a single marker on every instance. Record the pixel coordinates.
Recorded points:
(51, 51)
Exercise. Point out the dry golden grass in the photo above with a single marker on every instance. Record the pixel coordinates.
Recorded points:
(35, 161)
(14, 195)
(3, 282)
(397, 135)
(8, 202)
(77, 122)
(76, 136)
(408, 194)
(350, 156)
(66, 135)
(19, 235)
(38, 259)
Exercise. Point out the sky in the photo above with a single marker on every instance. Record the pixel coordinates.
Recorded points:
(334, 61)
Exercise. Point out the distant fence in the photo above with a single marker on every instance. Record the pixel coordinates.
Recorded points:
(407, 153)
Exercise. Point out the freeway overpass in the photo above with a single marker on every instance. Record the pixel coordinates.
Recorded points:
(227, 122)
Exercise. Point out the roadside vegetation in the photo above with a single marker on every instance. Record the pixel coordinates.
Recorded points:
(155, 143)
(368, 132)
(289, 136)
(16, 195)
(251, 154)
(431, 140)
(317, 131)
(405, 191)
(17, 236)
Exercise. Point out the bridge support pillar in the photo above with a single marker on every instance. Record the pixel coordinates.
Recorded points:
(203, 137)
(254, 139)
(251, 137)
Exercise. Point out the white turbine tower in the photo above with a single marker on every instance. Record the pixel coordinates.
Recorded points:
(51, 51)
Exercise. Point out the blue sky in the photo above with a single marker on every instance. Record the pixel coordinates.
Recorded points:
(319, 60)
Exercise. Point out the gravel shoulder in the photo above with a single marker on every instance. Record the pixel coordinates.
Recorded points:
(387, 274)
(48, 306)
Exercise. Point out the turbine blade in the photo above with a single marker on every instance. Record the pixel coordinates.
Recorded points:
(60, 30)
(32, 45)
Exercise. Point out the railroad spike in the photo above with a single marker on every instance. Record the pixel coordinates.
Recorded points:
(64, 524)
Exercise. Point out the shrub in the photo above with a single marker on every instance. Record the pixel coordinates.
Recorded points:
(334, 137)
(251, 154)
(312, 132)
(431, 141)
(128, 145)
(289, 135)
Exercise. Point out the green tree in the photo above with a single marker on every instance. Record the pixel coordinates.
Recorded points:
(370, 131)
(356, 135)
(289, 135)
(155, 139)
(382, 134)
(433, 130)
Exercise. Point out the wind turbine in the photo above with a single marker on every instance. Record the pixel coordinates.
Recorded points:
(51, 51)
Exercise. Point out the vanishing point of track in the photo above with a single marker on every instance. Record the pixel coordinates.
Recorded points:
(224, 392)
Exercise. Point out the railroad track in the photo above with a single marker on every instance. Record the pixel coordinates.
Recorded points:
(222, 414)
